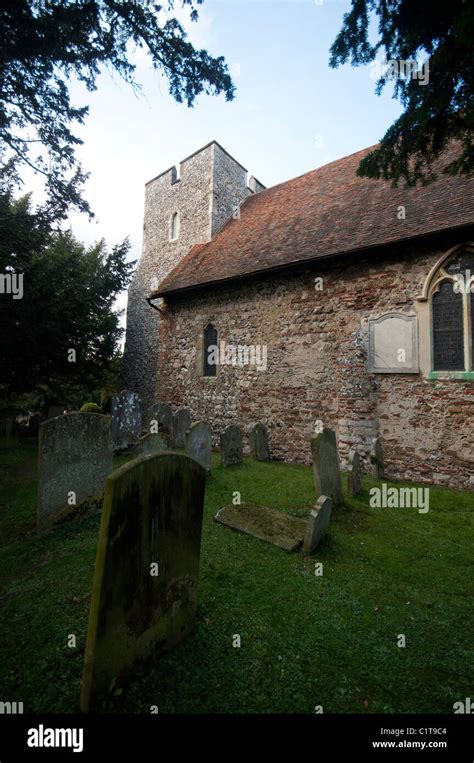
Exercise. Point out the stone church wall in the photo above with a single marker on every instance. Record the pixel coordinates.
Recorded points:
(317, 366)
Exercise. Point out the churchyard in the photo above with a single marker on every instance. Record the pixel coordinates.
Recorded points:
(350, 607)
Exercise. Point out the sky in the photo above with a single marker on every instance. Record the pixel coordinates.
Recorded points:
(291, 113)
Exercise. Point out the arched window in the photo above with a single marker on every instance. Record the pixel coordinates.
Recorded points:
(452, 313)
(209, 361)
(174, 229)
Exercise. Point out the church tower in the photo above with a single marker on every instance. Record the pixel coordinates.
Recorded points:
(179, 213)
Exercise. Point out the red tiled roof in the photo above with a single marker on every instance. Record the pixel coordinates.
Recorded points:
(325, 212)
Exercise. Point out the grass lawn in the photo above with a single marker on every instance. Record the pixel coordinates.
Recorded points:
(306, 640)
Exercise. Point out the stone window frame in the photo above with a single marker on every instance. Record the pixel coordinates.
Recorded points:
(174, 226)
(437, 276)
(200, 352)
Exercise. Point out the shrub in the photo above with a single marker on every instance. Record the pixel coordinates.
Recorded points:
(90, 408)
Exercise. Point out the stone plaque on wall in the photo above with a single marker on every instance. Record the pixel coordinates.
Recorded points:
(393, 344)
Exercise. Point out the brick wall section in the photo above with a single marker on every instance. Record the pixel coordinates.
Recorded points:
(317, 354)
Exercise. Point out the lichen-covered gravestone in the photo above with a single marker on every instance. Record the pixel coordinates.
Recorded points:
(231, 446)
(9, 432)
(318, 521)
(126, 419)
(144, 593)
(199, 444)
(377, 459)
(75, 458)
(258, 442)
(159, 418)
(327, 475)
(354, 477)
(182, 421)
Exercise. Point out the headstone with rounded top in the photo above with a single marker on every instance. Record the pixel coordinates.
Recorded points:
(144, 592)
(182, 421)
(258, 442)
(317, 525)
(126, 419)
(75, 458)
(377, 459)
(231, 446)
(327, 475)
(199, 444)
(354, 477)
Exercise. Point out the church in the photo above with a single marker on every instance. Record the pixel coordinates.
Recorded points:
(326, 300)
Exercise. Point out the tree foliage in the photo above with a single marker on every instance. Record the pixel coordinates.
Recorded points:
(43, 43)
(435, 113)
(67, 304)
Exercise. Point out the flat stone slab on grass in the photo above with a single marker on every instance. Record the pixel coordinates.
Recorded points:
(265, 523)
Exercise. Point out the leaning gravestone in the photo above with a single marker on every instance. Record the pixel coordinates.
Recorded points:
(181, 423)
(377, 459)
(354, 477)
(231, 446)
(75, 458)
(318, 521)
(144, 593)
(327, 475)
(9, 432)
(159, 418)
(126, 419)
(258, 441)
(199, 444)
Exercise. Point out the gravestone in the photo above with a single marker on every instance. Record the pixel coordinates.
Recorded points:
(159, 418)
(151, 443)
(377, 459)
(34, 422)
(264, 523)
(231, 446)
(199, 444)
(327, 475)
(126, 419)
(317, 525)
(55, 410)
(9, 431)
(75, 458)
(258, 441)
(144, 593)
(181, 423)
(354, 477)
